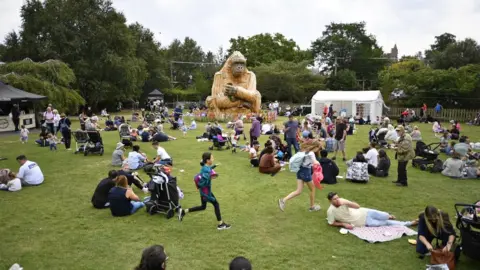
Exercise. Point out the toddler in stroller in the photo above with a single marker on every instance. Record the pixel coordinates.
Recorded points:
(219, 141)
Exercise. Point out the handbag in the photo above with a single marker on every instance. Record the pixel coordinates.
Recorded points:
(440, 257)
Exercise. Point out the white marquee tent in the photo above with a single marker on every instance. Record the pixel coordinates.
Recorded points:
(352, 102)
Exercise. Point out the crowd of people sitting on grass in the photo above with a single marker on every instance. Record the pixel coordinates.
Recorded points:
(312, 140)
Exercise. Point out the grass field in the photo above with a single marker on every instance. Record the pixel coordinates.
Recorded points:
(54, 226)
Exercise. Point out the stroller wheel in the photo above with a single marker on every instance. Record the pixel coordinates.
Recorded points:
(210, 148)
(85, 153)
(170, 213)
(228, 147)
(101, 152)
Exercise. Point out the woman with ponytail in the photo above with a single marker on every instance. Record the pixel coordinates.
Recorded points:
(434, 224)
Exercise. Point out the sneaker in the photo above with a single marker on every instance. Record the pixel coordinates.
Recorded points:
(69, 149)
(223, 226)
(314, 208)
(344, 159)
(181, 214)
(402, 185)
(281, 204)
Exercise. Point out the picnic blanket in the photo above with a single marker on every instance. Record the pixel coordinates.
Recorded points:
(381, 234)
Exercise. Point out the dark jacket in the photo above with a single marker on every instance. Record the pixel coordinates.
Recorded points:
(330, 170)
(383, 167)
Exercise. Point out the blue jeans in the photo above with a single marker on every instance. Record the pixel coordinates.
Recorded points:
(53, 146)
(290, 142)
(377, 218)
(136, 206)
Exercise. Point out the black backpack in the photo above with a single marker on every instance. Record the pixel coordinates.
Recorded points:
(437, 166)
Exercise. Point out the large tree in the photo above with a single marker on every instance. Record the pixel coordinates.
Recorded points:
(267, 48)
(421, 83)
(149, 50)
(91, 37)
(186, 51)
(348, 46)
(287, 81)
(53, 79)
(453, 54)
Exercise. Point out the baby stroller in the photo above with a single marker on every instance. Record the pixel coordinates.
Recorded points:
(427, 155)
(218, 140)
(469, 225)
(164, 193)
(94, 144)
(81, 140)
(380, 138)
(124, 132)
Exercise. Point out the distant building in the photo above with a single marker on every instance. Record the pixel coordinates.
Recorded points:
(393, 55)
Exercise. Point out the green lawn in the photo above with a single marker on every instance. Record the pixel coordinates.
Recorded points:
(54, 226)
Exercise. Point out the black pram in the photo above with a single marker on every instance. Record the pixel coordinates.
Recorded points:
(469, 225)
(164, 194)
(427, 155)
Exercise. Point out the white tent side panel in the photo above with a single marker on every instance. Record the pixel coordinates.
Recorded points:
(362, 102)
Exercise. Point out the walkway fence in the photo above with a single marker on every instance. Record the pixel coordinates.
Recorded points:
(462, 115)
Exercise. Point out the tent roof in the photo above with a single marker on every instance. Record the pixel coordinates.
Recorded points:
(348, 95)
(155, 92)
(10, 93)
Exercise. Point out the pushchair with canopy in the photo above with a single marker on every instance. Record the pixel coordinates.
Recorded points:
(468, 223)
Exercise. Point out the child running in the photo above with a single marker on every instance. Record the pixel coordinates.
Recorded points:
(204, 186)
(24, 134)
(304, 175)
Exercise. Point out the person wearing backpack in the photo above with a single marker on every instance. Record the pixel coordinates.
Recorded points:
(203, 181)
(302, 164)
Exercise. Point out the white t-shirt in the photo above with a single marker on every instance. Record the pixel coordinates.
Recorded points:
(266, 128)
(14, 185)
(345, 214)
(372, 157)
(31, 173)
(24, 132)
(253, 152)
(309, 159)
(162, 153)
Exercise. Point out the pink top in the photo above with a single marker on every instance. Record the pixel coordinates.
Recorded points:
(48, 117)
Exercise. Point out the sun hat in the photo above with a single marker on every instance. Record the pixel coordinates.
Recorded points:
(119, 146)
(400, 128)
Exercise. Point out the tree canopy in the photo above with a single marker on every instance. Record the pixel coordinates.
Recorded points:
(111, 61)
(52, 78)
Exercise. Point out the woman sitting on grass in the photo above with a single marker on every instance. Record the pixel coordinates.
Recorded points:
(437, 128)
(268, 163)
(383, 164)
(434, 223)
(453, 166)
(123, 201)
(153, 258)
(253, 154)
(444, 142)
(416, 134)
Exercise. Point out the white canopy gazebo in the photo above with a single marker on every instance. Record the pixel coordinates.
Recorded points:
(352, 102)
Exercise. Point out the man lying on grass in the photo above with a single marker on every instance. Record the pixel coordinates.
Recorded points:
(347, 214)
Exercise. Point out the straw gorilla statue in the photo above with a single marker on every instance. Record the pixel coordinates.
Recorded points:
(234, 88)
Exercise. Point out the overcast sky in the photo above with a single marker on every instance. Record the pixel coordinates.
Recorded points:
(411, 24)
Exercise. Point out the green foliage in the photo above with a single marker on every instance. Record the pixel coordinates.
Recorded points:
(91, 37)
(267, 48)
(447, 53)
(421, 83)
(344, 80)
(287, 81)
(348, 46)
(52, 79)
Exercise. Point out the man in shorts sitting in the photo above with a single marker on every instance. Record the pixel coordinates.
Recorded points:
(347, 214)
(340, 137)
